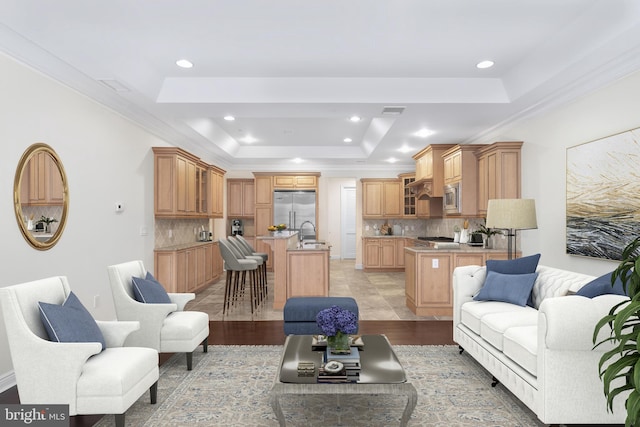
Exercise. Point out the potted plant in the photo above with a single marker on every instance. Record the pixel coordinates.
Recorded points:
(47, 221)
(617, 367)
(487, 232)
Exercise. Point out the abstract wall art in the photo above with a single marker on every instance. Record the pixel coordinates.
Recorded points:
(603, 195)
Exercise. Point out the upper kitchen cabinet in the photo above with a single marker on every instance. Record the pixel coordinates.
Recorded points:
(299, 182)
(429, 180)
(263, 189)
(498, 173)
(41, 181)
(216, 191)
(408, 197)
(240, 198)
(184, 186)
(460, 178)
(381, 198)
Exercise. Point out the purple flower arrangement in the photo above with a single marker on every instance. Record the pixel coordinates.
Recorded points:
(334, 319)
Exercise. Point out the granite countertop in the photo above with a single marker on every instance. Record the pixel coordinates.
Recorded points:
(184, 246)
(463, 248)
(392, 236)
(313, 247)
(285, 234)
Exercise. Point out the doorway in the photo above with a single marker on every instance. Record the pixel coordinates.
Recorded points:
(348, 222)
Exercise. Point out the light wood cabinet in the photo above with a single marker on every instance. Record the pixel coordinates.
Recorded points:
(184, 186)
(383, 253)
(307, 273)
(41, 181)
(216, 192)
(240, 198)
(461, 167)
(381, 198)
(190, 269)
(430, 167)
(263, 190)
(499, 171)
(428, 278)
(295, 182)
(453, 167)
(408, 196)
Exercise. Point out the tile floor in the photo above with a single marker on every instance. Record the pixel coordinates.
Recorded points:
(380, 296)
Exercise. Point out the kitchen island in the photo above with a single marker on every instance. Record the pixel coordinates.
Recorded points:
(429, 271)
(297, 271)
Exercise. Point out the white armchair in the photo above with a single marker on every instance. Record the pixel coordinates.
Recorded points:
(164, 327)
(80, 374)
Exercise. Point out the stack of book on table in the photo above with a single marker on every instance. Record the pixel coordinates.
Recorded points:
(349, 370)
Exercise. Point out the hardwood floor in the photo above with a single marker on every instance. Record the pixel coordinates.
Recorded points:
(399, 332)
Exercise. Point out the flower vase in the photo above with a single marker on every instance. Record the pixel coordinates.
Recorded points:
(487, 242)
(47, 228)
(339, 343)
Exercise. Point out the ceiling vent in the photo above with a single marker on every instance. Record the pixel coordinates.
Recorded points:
(392, 111)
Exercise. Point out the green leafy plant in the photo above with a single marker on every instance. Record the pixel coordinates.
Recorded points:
(46, 220)
(622, 362)
(482, 229)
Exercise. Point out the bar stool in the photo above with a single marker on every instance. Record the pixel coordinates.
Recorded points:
(240, 252)
(261, 257)
(236, 267)
(264, 255)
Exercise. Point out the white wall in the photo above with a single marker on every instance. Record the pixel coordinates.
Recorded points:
(106, 159)
(611, 110)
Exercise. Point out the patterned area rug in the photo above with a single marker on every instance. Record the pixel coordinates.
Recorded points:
(229, 386)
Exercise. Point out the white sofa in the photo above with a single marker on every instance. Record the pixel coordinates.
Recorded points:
(543, 355)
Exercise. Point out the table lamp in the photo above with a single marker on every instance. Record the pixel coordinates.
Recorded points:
(511, 215)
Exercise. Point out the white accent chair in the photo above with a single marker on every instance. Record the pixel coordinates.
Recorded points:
(78, 374)
(164, 327)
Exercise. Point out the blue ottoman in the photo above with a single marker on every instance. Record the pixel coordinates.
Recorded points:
(300, 313)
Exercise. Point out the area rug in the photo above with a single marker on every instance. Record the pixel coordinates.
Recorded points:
(229, 386)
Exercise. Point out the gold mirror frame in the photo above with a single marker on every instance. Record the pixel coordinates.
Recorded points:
(18, 192)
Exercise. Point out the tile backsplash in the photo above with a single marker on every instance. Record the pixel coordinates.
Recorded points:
(170, 232)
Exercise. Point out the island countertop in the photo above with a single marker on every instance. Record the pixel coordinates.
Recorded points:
(461, 248)
(324, 246)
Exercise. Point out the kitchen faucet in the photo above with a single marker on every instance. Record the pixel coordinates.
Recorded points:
(301, 238)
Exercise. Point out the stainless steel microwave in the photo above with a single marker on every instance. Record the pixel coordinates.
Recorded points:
(451, 198)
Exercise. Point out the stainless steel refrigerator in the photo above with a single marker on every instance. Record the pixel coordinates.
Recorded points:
(294, 208)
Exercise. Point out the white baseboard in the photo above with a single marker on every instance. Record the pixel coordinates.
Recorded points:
(7, 381)
(359, 267)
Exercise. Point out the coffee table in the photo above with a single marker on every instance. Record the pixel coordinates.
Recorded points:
(381, 373)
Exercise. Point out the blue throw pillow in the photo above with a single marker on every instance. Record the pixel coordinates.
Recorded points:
(70, 322)
(602, 286)
(525, 265)
(511, 288)
(149, 291)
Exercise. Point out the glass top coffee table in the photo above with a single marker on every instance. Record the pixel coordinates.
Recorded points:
(381, 373)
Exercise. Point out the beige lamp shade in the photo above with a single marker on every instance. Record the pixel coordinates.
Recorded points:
(516, 214)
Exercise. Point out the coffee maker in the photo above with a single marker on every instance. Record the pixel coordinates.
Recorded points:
(236, 227)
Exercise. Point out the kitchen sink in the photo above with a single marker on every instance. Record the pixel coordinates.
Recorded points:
(313, 242)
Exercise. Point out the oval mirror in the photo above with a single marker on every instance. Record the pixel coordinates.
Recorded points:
(41, 196)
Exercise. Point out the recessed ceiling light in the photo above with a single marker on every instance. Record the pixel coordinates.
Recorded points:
(348, 140)
(355, 119)
(405, 149)
(184, 63)
(229, 118)
(392, 160)
(424, 132)
(297, 160)
(248, 139)
(484, 64)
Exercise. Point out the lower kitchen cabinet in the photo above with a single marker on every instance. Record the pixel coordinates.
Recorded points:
(428, 277)
(383, 253)
(188, 269)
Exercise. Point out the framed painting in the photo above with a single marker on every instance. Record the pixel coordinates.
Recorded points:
(603, 189)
